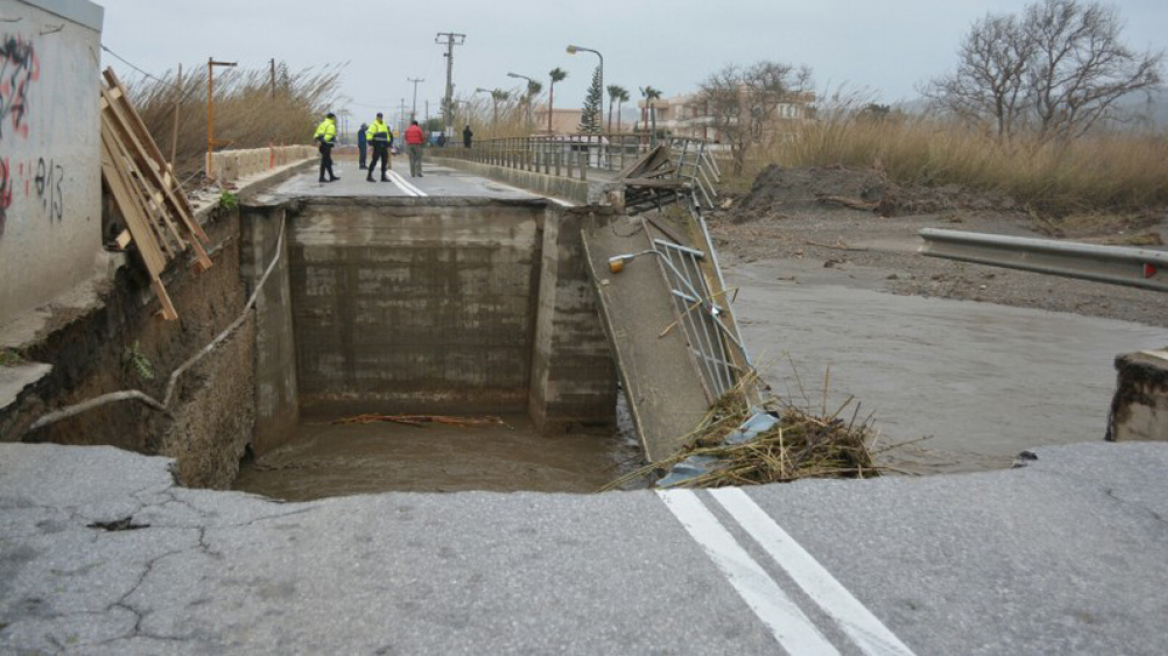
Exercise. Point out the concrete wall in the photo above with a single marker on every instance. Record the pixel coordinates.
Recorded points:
(573, 377)
(415, 305)
(50, 172)
(277, 399)
(233, 165)
(576, 191)
(1139, 410)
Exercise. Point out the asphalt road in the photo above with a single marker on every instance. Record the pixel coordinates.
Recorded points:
(1066, 555)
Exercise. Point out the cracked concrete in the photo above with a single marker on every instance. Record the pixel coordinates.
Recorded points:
(1066, 555)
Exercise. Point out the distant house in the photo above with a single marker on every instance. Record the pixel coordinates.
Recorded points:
(687, 116)
(564, 121)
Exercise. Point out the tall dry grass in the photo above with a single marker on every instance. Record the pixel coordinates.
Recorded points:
(511, 120)
(249, 111)
(1104, 172)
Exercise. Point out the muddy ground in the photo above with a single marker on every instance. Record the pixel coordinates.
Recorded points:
(802, 219)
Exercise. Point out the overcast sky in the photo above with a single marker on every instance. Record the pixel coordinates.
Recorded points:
(887, 47)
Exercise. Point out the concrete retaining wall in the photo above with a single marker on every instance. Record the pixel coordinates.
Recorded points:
(573, 377)
(1139, 410)
(414, 305)
(233, 165)
(277, 399)
(50, 176)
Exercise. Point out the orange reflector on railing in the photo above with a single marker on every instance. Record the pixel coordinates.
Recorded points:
(1149, 270)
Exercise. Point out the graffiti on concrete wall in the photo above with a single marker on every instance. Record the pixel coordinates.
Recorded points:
(19, 69)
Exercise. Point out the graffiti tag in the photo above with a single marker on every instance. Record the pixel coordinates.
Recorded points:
(19, 68)
(48, 180)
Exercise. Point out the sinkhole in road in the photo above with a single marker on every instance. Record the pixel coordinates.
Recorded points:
(438, 306)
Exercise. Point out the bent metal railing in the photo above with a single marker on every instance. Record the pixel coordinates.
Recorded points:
(1131, 267)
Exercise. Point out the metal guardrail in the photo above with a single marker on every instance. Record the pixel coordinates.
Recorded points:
(1131, 267)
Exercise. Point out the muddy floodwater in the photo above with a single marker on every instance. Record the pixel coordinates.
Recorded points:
(327, 460)
(982, 381)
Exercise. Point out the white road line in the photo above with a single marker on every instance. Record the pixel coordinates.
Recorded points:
(794, 630)
(869, 634)
(397, 182)
(406, 185)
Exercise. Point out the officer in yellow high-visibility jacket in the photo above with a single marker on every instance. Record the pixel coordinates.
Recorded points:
(381, 138)
(326, 136)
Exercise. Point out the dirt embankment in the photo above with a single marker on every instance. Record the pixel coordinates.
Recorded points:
(855, 228)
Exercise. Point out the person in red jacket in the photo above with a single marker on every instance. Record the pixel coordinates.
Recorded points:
(414, 140)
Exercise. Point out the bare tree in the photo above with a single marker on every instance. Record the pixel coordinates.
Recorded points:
(1079, 67)
(989, 86)
(743, 102)
(1060, 69)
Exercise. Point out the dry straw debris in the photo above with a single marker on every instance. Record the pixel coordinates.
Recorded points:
(801, 444)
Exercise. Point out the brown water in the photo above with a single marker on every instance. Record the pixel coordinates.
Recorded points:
(327, 460)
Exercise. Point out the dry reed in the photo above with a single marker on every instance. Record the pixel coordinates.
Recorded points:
(250, 111)
(1102, 172)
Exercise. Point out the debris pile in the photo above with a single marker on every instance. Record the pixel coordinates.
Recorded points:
(776, 442)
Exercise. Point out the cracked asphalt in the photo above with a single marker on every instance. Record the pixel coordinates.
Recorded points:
(1066, 555)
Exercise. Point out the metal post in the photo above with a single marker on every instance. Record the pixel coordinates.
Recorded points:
(211, 143)
(177, 106)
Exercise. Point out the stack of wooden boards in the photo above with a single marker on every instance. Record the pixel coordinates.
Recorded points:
(159, 219)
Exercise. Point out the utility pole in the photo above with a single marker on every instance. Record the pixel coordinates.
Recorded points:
(402, 117)
(272, 62)
(450, 39)
(414, 105)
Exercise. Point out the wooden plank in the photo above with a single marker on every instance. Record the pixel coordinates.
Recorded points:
(204, 262)
(138, 152)
(132, 178)
(123, 239)
(136, 222)
(168, 312)
(187, 213)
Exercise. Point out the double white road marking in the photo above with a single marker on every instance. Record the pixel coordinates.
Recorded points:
(790, 626)
(407, 188)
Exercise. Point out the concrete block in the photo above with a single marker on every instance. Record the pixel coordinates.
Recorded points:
(1139, 409)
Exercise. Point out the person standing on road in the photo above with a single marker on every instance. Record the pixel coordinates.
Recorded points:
(379, 135)
(362, 144)
(414, 140)
(467, 135)
(326, 136)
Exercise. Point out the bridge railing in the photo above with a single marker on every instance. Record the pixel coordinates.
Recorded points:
(570, 156)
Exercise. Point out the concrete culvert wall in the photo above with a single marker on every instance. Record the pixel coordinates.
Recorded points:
(415, 307)
(441, 306)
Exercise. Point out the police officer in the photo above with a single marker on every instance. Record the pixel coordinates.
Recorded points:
(326, 136)
(380, 137)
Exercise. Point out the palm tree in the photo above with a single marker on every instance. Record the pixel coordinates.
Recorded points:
(497, 96)
(557, 74)
(533, 89)
(621, 99)
(650, 95)
(614, 92)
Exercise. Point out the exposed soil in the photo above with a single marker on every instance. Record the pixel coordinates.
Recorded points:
(801, 218)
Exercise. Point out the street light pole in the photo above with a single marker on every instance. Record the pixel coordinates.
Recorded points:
(573, 50)
(414, 105)
(530, 82)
